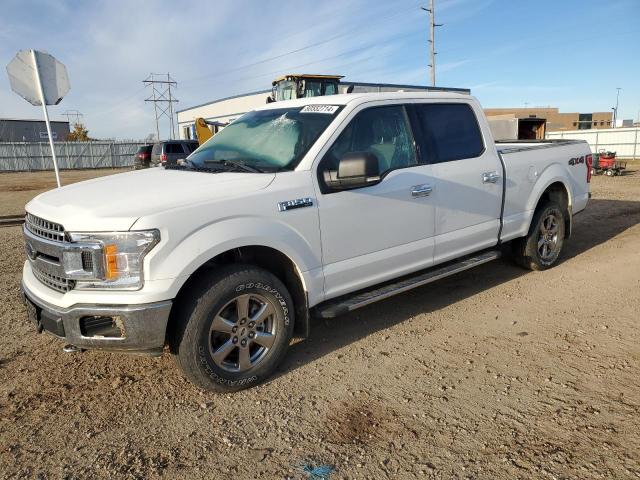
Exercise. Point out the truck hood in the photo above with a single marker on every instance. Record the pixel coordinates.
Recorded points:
(115, 202)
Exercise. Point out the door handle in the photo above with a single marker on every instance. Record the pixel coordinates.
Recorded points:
(421, 190)
(490, 177)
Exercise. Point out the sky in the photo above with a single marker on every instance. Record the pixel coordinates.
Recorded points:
(570, 54)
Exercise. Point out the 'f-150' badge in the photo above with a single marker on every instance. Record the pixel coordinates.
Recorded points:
(292, 204)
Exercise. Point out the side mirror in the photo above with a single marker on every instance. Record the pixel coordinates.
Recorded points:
(355, 169)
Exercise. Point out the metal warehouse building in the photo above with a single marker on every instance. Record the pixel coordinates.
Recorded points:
(22, 130)
(228, 109)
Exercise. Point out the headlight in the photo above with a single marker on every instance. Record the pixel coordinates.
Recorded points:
(108, 260)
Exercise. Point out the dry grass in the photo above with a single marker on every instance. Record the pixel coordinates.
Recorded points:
(16, 189)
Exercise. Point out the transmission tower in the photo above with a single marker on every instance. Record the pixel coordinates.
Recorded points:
(162, 99)
(432, 39)
(73, 114)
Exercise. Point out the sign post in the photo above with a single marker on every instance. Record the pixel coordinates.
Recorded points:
(46, 115)
(41, 80)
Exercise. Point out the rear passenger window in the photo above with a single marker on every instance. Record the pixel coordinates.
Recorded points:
(450, 131)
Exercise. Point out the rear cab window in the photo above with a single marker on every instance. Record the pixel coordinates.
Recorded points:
(449, 131)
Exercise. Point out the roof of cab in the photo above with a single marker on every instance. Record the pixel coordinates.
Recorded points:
(358, 98)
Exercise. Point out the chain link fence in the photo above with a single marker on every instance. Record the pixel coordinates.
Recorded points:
(29, 157)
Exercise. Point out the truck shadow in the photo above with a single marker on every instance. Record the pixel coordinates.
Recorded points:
(601, 221)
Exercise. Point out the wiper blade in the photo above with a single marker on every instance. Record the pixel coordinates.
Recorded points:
(237, 165)
(192, 168)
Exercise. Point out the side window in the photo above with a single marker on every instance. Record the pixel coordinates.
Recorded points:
(330, 89)
(382, 131)
(450, 131)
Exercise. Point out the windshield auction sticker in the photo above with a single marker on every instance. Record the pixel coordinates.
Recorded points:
(330, 109)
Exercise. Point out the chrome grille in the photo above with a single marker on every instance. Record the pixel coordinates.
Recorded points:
(57, 283)
(44, 228)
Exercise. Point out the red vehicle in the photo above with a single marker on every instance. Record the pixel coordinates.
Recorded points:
(143, 157)
(605, 162)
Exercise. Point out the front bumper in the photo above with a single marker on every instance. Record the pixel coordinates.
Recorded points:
(137, 329)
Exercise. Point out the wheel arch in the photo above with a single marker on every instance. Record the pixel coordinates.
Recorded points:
(556, 191)
(270, 259)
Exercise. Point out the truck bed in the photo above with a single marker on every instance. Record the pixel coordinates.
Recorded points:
(530, 166)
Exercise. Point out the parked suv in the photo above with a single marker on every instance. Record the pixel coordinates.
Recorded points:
(142, 157)
(170, 151)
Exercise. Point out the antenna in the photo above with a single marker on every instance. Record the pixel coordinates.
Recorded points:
(162, 99)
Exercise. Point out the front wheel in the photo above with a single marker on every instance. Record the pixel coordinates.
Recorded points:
(234, 329)
(541, 247)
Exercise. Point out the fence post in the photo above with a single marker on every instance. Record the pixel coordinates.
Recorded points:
(596, 150)
(635, 144)
(113, 159)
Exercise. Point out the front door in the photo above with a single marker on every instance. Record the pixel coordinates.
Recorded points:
(376, 232)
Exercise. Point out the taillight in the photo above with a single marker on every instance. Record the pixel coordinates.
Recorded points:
(589, 161)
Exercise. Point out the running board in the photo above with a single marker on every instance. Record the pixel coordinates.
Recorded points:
(348, 303)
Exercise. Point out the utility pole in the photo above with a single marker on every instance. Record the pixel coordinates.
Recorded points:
(73, 114)
(162, 99)
(432, 39)
(615, 109)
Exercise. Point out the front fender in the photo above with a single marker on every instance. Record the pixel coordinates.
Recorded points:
(179, 257)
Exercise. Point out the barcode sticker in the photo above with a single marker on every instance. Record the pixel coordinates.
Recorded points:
(329, 109)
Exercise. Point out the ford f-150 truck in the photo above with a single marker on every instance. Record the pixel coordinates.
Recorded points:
(299, 209)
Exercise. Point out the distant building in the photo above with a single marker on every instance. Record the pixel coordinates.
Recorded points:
(22, 130)
(555, 120)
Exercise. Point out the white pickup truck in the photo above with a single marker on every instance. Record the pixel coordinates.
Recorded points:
(299, 209)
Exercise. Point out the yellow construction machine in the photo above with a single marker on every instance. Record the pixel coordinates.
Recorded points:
(205, 129)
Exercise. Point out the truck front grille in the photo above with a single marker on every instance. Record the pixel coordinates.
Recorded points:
(60, 284)
(44, 228)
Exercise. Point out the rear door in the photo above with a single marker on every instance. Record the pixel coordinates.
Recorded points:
(468, 186)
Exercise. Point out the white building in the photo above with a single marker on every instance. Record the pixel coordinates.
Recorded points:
(227, 109)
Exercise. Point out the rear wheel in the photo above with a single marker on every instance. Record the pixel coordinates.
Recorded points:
(541, 248)
(234, 329)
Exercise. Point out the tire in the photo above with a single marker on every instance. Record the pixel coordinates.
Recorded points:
(542, 246)
(215, 341)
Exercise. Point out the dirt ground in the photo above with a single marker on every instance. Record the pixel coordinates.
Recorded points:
(16, 189)
(496, 373)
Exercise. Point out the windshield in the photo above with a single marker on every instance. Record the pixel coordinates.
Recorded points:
(268, 140)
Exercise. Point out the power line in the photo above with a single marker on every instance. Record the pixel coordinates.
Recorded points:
(290, 52)
(73, 114)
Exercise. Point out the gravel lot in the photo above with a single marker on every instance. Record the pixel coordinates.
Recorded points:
(495, 373)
